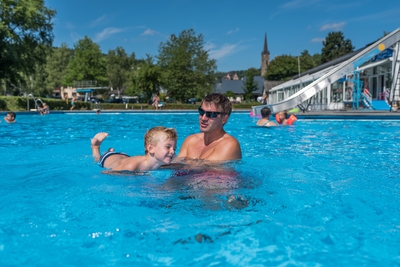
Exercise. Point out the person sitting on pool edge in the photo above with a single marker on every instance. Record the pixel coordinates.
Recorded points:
(213, 143)
(264, 121)
(159, 144)
(10, 118)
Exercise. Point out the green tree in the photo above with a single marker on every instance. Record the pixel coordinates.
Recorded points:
(119, 65)
(229, 93)
(25, 34)
(249, 84)
(187, 70)
(335, 46)
(56, 67)
(317, 59)
(146, 78)
(87, 63)
(306, 61)
(36, 82)
(282, 68)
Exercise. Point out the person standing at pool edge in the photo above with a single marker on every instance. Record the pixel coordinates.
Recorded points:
(159, 143)
(72, 103)
(155, 100)
(213, 143)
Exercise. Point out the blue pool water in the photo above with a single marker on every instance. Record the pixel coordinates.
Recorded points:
(319, 193)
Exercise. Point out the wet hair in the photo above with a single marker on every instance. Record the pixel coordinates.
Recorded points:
(221, 102)
(284, 112)
(12, 114)
(157, 134)
(265, 112)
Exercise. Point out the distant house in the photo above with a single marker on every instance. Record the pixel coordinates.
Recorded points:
(230, 76)
(236, 86)
(231, 81)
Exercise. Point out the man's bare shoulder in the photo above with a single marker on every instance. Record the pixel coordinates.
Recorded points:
(229, 139)
(228, 148)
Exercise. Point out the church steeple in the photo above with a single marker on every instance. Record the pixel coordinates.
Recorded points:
(264, 57)
(265, 51)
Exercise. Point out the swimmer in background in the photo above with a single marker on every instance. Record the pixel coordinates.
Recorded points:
(160, 145)
(44, 110)
(283, 119)
(10, 118)
(264, 121)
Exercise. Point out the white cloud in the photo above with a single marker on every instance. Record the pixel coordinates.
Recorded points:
(69, 26)
(106, 33)
(224, 51)
(390, 13)
(232, 31)
(296, 4)
(209, 46)
(317, 40)
(97, 21)
(149, 32)
(76, 37)
(333, 26)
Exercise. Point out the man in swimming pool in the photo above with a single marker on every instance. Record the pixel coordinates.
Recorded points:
(10, 118)
(159, 144)
(213, 143)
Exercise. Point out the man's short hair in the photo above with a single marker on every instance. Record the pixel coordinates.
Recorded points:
(12, 114)
(220, 101)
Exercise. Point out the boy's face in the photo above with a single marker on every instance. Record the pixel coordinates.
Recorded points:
(164, 150)
(282, 116)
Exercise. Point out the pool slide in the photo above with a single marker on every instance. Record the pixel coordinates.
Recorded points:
(346, 67)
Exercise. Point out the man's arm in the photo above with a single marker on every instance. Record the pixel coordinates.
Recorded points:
(184, 148)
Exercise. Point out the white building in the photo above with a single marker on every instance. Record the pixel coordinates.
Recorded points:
(361, 79)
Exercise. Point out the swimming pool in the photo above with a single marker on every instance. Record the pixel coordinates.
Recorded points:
(319, 193)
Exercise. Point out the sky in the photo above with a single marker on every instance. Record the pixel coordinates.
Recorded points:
(233, 31)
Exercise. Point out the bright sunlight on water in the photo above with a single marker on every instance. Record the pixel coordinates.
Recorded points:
(319, 193)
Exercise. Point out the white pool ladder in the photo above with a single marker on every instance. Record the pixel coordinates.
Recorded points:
(35, 100)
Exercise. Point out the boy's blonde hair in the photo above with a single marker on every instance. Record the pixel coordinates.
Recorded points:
(157, 134)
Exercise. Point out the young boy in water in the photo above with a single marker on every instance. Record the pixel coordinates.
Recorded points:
(283, 118)
(159, 144)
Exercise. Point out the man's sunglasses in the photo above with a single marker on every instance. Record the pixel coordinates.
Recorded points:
(209, 114)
